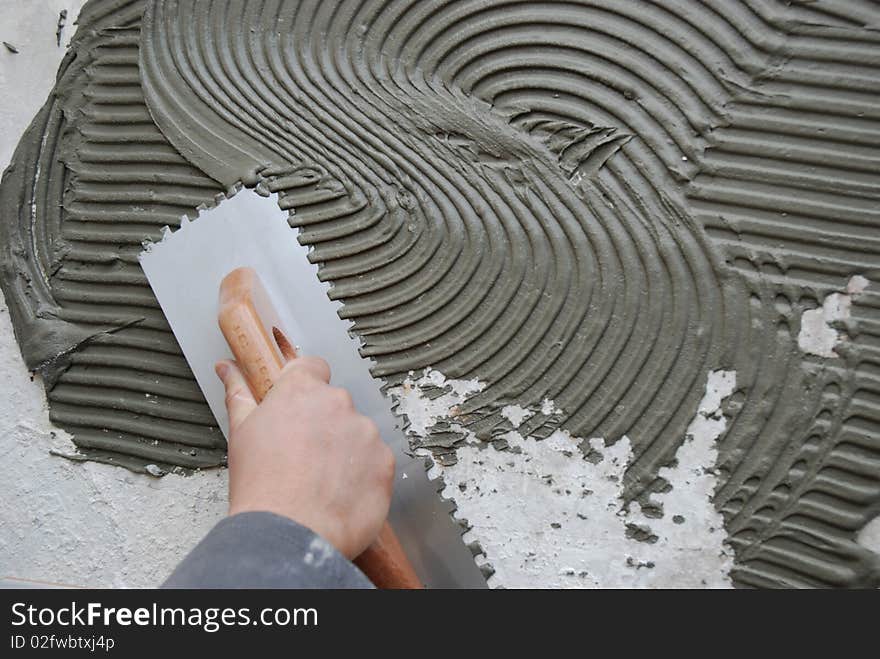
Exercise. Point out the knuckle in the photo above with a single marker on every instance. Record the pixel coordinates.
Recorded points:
(305, 368)
(317, 366)
(370, 430)
(388, 463)
(295, 369)
(292, 367)
(341, 398)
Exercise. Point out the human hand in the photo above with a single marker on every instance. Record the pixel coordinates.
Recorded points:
(305, 453)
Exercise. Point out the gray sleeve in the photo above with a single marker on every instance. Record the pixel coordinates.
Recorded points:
(264, 550)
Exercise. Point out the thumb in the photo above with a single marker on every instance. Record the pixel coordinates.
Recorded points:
(240, 401)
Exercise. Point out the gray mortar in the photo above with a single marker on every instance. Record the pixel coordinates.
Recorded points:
(596, 204)
(77, 207)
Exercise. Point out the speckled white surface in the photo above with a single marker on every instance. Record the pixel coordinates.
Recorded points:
(548, 518)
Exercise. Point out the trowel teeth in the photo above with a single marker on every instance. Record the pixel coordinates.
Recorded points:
(204, 251)
(464, 525)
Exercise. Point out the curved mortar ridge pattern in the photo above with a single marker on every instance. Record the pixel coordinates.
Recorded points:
(594, 203)
(92, 179)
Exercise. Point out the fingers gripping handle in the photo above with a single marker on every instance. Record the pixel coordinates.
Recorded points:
(261, 358)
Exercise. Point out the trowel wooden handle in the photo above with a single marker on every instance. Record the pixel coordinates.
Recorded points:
(385, 563)
(260, 360)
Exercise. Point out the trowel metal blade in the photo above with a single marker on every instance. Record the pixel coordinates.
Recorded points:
(185, 269)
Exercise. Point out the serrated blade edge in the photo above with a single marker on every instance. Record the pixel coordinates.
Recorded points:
(185, 269)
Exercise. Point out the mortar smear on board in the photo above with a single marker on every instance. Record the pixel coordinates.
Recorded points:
(548, 517)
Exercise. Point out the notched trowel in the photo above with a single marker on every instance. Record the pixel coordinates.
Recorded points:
(185, 270)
